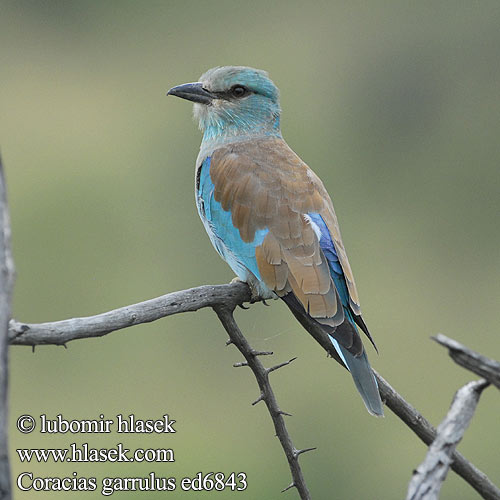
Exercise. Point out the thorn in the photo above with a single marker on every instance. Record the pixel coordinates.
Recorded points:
(281, 365)
(265, 303)
(259, 399)
(262, 353)
(243, 307)
(281, 412)
(229, 342)
(296, 453)
(289, 487)
(238, 365)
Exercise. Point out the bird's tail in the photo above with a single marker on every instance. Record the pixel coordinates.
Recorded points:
(357, 363)
(363, 377)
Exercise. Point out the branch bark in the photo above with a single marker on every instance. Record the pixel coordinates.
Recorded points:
(427, 433)
(192, 299)
(429, 476)
(229, 296)
(471, 360)
(415, 421)
(225, 315)
(6, 285)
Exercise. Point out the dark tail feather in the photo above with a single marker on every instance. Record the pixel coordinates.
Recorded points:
(359, 366)
(361, 323)
(363, 377)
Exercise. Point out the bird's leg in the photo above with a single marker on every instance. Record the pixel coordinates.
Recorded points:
(237, 280)
(255, 293)
(256, 296)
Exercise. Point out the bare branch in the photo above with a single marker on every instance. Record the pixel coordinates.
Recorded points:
(280, 365)
(61, 332)
(225, 314)
(230, 295)
(414, 420)
(430, 474)
(471, 360)
(6, 286)
(427, 433)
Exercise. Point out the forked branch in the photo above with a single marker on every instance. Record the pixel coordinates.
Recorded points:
(223, 299)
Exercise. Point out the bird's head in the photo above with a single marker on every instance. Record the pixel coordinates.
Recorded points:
(233, 101)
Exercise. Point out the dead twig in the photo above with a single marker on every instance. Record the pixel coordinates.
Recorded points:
(430, 474)
(471, 360)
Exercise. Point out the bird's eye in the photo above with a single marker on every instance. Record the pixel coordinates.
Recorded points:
(238, 91)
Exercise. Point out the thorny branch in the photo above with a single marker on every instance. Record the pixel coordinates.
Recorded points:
(223, 299)
(261, 373)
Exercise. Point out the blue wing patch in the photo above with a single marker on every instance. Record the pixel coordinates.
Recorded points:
(326, 244)
(224, 236)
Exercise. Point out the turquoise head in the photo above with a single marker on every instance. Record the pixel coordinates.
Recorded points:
(232, 102)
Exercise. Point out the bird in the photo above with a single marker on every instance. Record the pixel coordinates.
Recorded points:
(269, 216)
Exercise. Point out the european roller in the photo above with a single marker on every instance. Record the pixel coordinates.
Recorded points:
(269, 215)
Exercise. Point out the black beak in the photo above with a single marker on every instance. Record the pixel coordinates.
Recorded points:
(192, 92)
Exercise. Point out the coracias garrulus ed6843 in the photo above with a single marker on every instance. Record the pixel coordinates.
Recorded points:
(269, 216)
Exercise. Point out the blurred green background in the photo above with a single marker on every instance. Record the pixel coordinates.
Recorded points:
(396, 105)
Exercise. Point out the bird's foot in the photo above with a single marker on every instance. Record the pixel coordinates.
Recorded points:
(237, 280)
(256, 292)
(255, 295)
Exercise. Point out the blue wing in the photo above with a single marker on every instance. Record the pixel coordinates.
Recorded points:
(241, 257)
(330, 253)
(358, 366)
(224, 236)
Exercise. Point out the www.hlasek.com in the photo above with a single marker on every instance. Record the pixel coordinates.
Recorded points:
(83, 453)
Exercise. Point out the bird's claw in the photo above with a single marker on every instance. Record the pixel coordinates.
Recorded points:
(255, 295)
(237, 280)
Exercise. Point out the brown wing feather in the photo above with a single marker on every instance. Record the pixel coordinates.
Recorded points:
(266, 185)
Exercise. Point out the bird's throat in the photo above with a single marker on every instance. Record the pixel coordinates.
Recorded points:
(216, 134)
